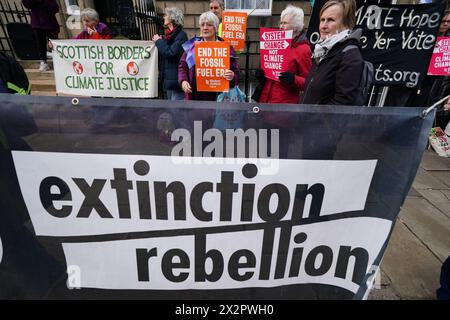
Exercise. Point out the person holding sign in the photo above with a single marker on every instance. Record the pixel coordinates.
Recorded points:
(170, 47)
(292, 80)
(93, 28)
(337, 67)
(187, 67)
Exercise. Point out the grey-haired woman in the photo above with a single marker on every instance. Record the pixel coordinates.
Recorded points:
(93, 28)
(209, 24)
(170, 48)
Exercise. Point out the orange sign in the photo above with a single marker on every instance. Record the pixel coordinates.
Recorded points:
(234, 25)
(212, 59)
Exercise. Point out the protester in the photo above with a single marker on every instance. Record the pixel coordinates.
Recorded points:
(440, 85)
(337, 66)
(334, 78)
(170, 47)
(93, 28)
(445, 24)
(44, 24)
(217, 7)
(13, 78)
(186, 68)
(292, 80)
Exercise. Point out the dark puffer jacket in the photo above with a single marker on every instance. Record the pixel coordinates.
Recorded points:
(335, 79)
(43, 14)
(171, 52)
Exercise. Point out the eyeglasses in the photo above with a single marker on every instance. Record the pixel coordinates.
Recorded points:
(445, 21)
(213, 8)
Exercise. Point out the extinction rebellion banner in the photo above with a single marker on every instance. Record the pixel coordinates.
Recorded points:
(111, 208)
(394, 38)
(106, 68)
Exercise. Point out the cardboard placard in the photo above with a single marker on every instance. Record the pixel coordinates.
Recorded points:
(274, 48)
(440, 60)
(234, 26)
(212, 59)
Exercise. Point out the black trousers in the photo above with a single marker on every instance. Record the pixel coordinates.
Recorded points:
(42, 37)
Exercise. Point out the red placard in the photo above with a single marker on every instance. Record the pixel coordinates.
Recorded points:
(440, 60)
(212, 59)
(274, 48)
(234, 26)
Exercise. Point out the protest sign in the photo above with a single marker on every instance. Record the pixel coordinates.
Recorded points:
(212, 59)
(106, 68)
(136, 217)
(394, 38)
(440, 60)
(274, 49)
(234, 25)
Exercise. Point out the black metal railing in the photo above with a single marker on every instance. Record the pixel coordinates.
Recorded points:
(133, 19)
(10, 11)
(148, 20)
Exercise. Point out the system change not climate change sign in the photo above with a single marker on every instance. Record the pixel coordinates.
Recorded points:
(274, 47)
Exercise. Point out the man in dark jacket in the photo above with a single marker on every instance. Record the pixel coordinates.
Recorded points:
(170, 49)
(44, 24)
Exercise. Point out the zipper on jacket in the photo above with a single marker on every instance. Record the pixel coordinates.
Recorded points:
(307, 89)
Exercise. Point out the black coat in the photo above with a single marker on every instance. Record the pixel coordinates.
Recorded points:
(336, 79)
(171, 52)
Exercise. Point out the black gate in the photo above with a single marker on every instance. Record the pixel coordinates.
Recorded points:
(133, 19)
(10, 11)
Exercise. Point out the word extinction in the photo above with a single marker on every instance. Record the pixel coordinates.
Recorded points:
(54, 190)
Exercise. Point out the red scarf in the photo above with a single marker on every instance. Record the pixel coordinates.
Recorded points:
(168, 34)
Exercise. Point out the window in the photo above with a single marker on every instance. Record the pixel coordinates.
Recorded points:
(252, 7)
(72, 7)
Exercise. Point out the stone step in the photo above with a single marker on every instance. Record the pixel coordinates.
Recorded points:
(34, 74)
(43, 85)
(43, 93)
(34, 64)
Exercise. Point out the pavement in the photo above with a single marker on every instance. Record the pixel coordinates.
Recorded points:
(420, 242)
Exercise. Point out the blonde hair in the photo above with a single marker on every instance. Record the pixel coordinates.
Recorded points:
(348, 11)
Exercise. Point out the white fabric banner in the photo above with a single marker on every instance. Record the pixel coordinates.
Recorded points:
(106, 68)
(70, 194)
(337, 253)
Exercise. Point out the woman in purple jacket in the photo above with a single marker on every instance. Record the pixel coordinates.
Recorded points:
(209, 24)
(44, 24)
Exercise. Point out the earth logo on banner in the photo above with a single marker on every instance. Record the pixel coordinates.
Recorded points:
(78, 67)
(440, 60)
(274, 48)
(132, 68)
